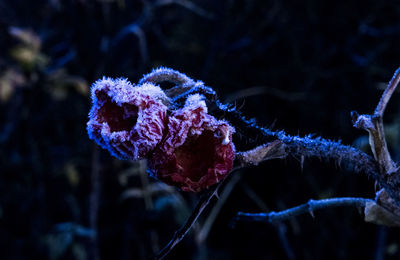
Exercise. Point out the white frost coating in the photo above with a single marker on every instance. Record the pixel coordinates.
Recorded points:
(153, 91)
(144, 103)
(121, 90)
(226, 140)
(196, 101)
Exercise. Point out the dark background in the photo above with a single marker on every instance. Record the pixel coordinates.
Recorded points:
(301, 66)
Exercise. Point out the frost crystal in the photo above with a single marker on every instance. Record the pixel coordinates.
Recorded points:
(127, 120)
(197, 150)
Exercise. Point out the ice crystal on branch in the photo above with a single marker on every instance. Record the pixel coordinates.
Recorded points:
(127, 120)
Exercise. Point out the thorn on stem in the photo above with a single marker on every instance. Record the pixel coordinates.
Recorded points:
(310, 205)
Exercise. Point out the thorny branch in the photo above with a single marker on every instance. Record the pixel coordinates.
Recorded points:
(385, 210)
(380, 169)
(298, 147)
(281, 145)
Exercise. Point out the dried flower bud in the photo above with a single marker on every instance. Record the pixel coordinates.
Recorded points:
(197, 150)
(127, 120)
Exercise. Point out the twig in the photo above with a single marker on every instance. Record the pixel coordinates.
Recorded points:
(380, 108)
(309, 207)
(205, 230)
(188, 5)
(374, 125)
(180, 234)
(388, 175)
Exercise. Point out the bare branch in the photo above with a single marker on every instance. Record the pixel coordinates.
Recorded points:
(380, 108)
(188, 5)
(180, 234)
(308, 207)
(389, 175)
(374, 125)
(203, 234)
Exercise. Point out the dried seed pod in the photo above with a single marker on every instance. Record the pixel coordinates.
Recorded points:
(127, 120)
(197, 150)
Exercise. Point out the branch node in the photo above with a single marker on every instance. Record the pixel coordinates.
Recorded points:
(270, 216)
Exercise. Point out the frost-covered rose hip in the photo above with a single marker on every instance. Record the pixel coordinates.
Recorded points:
(197, 150)
(127, 120)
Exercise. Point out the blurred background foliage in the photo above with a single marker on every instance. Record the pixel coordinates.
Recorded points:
(301, 66)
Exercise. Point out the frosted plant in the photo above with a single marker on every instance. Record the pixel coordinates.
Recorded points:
(193, 148)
